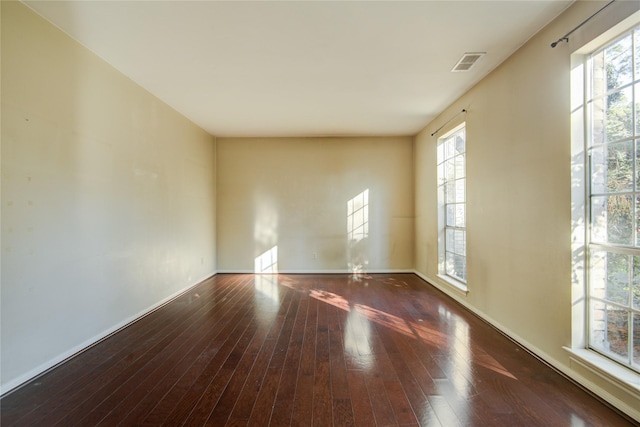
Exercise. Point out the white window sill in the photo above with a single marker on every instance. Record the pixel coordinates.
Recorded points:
(620, 376)
(456, 284)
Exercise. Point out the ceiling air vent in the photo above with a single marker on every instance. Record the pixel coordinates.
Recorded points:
(467, 61)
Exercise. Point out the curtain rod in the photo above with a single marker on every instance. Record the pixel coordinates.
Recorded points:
(447, 122)
(565, 38)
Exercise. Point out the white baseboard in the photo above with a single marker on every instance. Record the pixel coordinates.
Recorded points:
(61, 358)
(400, 271)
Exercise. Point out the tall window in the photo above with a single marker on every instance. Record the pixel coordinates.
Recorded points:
(452, 201)
(613, 153)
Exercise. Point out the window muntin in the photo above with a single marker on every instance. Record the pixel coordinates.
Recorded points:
(613, 147)
(452, 180)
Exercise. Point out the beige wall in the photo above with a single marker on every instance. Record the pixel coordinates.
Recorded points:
(108, 198)
(293, 193)
(518, 195)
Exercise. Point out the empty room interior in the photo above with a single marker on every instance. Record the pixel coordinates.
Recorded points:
(412, 173)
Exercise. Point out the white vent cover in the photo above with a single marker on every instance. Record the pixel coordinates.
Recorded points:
(467, 61)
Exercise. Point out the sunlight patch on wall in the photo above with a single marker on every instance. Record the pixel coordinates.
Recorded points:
(358, 231)
(358, 217)
(267, 262)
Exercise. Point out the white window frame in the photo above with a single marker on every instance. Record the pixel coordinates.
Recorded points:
(595, 244)
(581, 356)
(446, 270)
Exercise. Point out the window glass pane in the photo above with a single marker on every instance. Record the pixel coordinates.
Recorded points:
(451, 215)
(619, 172)
(612, 168)
(637, 145)
(458, 242)
(612, 219)
(460, 190)
(619, 63)
(619, 114)
(456, 266)
(636, 340)
(609, 276)
(459, 141)
(461, 267)
(449, 239)
(636, 35)
(449, 148)
(460, 166)
(461, 242)
(455, 241)
(450, 192)
(637, 221)
(637, 106)
(636, 282)
(455, 215)
(609, 329)
(450, 169)
(460, 215)
(450, 263)
(617, 278)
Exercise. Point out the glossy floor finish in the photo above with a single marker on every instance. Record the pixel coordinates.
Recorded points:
(303, 350)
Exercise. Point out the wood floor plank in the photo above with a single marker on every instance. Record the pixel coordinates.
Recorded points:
(149, 408)
(399, 403)
(217, 384)
(322, 400)
(303, 401)
(339, 383)
(194, 392)
(360, 402)
(283, 406)
(380, 402)
(302, 350)
(263, 408)
(201, 367)
(158, 373)
(243, 401)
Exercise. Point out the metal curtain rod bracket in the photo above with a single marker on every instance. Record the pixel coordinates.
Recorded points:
(447, 122)
(565, 38)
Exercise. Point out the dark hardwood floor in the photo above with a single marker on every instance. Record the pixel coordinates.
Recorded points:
(302, 350)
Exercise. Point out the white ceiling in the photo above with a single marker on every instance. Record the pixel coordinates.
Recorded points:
(302, 68)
